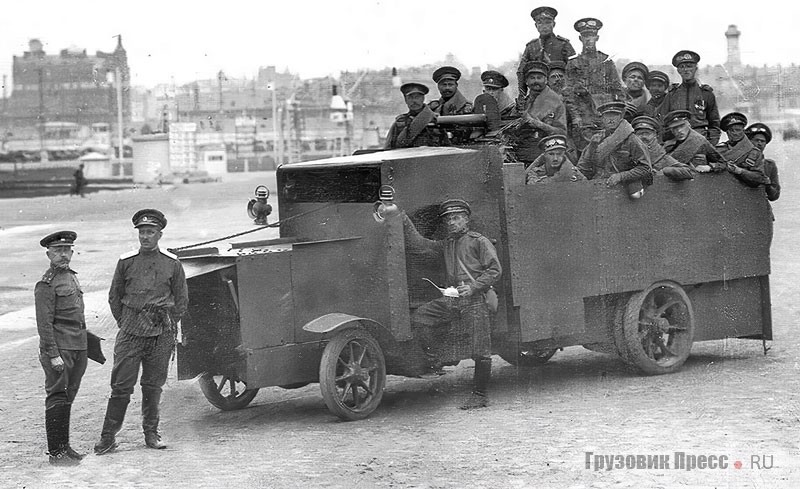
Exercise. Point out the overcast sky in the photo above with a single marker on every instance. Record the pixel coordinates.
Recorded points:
(194, 39)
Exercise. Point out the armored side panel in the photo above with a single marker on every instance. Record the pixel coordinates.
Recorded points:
(572, 241)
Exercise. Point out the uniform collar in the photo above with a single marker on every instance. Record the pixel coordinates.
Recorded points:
(152, 252)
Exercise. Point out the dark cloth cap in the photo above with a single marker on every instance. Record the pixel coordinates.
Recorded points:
(547, 12)
(493, 78)
(59, 238)
(446, 72)
(635, 65)
(454, 205)
(645, 122)
(676, 116)
(658, 75)
(733, 118)
(538, 67)
(149, 217)
(685, 56)
(558, 65)
(413, 87)
(556, 141)
(588, 24)
(616, 106)
(759, 128)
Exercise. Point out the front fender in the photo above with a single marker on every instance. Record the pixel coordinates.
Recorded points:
(337, 321)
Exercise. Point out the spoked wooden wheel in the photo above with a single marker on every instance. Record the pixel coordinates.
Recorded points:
(655, 328)
(352, 374)
(225, 392)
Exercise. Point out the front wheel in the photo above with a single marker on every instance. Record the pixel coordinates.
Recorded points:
(225, 392)
(655, 328)
(352, 374)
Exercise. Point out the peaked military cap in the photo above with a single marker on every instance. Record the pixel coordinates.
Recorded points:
(644, 122)
(493, 78)
(658, 75)
(544, 12)
(635, 65)
(759, 128)
(676, 117)
(454, 205)
(616, 106)
(149, 217)
(59, 238)
(588, 24)
(558, 65)
(413, 87)
(537, 67)
(446, 72)
(685, 56)
(556, 141)
(731, 119)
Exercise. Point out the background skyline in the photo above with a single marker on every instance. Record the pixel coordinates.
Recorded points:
(189, 41)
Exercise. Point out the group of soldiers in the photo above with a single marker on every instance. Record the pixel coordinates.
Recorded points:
(148, 296)
(574, 113)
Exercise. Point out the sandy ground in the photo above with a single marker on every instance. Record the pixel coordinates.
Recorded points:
(728, 400)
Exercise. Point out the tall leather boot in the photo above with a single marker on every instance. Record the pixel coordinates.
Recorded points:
(57, 438)
(115, 415)
(479, 398)
(151, 398)
(424, 337)
(71, 453)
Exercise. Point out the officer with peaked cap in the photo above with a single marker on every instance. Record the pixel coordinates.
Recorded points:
(693, 96)
(745, 161)
(451, 101)
(617, 155)
(591, 79)
(760, 135)
(148, 296)
(553, 165)
(472, 267)
(647, 129)
(634, 75)
(548, 47)
(688, 147)
(411, 129)
(62, 342)
(494, 84)
(657, 84)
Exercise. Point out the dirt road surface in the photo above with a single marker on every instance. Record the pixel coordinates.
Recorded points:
(729, 400)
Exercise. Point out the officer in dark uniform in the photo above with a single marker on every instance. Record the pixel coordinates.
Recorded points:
(690, 95)
(62, 343)
(411, 129)
(451, 102)
(548, 47)
(657, 84)
(494, 83)
(473, 268)
(745, 161)
(760, 135)
(148, 296)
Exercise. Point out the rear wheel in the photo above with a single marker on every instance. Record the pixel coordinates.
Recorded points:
(225, 392)
(655, 328)
(352, 374)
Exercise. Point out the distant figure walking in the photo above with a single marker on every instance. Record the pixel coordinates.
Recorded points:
(80, 181)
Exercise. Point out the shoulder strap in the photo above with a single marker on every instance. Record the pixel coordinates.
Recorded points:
(463, 267)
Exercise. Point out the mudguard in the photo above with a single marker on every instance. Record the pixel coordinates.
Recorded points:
(337, 321)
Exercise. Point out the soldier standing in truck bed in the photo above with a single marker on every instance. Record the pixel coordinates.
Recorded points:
(411, 129)
(690, 95)
(452, 101)
(548, 47)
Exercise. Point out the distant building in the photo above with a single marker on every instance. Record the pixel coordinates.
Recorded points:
(71, 86)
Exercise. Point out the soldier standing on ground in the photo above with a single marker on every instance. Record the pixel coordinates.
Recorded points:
(472, 266)
(80, 180)
(62, 343)
(411, 129)
(148, 296)
(690, 95)
(548, 47)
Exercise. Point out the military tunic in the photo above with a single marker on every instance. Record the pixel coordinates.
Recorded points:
(479, 257)
(148, 296)
(700, 101)
(62, 332)
(455, 105)
(747, 157)
(411, 130)
(773, 188)
(544, 48)
(629, 158)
